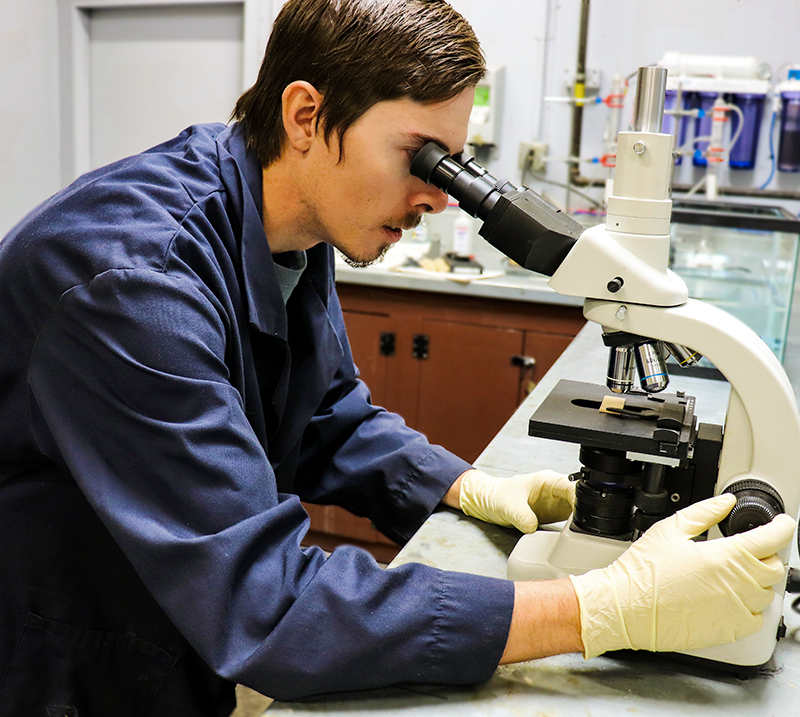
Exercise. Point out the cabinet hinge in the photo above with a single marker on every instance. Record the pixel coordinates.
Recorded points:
(420, 346)
(523, 361)
(388, 343)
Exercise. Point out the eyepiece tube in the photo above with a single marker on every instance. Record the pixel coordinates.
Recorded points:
(516, 220)
(473, 189)
(648, 106)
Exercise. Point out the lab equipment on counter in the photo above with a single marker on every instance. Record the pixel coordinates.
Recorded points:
(621, 268)
(743, 152)
(486, 117)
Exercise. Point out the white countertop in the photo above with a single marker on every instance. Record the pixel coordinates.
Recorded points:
(568, 685)
(495, 283)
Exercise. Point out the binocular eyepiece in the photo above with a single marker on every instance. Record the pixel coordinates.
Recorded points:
(460, 176)
(516, 220)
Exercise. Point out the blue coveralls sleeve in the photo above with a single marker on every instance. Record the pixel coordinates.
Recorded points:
(366, 459)
(130, 391)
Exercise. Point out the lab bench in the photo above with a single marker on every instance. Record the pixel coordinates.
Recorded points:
(567, 685)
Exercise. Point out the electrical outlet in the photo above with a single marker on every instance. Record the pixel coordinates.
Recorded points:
(532, 155)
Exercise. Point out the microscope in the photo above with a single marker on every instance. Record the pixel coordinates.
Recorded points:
(643, 452)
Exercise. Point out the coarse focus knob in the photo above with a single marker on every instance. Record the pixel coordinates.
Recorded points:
(615, 284)
(757, 503)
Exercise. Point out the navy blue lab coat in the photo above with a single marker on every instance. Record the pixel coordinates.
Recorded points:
(162, 414)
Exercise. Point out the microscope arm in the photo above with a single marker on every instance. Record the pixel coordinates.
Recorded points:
(762, 426)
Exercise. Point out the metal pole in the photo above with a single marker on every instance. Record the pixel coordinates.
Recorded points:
(580, 91)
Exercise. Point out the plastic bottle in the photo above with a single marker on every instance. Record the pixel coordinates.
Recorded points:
(462, 236)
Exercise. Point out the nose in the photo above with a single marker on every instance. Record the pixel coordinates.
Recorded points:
(428, 198)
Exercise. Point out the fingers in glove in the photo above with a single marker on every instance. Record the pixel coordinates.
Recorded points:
(768, 539)
(698, 517)
(550, 495)
(764, 573)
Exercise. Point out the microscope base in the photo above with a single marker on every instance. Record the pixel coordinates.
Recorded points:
(548, 554)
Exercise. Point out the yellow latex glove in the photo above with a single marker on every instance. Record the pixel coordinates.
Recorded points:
(523, 501)
(669, 593)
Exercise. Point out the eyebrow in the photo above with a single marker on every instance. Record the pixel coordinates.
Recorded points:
(423, 139)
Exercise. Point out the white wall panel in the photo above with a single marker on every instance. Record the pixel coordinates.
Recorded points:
(155, 70)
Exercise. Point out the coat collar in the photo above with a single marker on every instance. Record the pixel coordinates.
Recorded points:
(241, 174)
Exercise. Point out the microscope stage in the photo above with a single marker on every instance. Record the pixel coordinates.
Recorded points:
(653, 424)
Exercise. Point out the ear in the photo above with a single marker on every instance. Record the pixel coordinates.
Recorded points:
(301, 104)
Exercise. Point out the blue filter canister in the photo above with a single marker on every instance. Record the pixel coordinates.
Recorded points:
(743, 153)
(789, 147)
(702, 125)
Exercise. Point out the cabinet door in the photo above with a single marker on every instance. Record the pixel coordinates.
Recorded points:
(545, 349)
(364, 331)
(468, 385)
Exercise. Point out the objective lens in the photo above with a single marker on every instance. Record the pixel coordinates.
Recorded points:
(621, 364)
(651, 367)
(684, 356)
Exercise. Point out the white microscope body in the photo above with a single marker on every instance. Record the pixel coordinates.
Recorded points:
(622, 270)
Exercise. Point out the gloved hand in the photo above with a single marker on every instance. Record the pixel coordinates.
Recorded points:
(669, 593)
(523, 501)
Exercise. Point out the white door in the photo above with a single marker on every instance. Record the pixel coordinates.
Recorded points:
(153, 71)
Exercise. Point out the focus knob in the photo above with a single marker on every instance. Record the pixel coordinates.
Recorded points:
(757, 503)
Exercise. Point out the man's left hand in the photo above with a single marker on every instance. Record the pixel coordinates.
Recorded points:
(523, 501)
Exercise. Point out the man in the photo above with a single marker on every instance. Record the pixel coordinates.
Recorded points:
(175, 378)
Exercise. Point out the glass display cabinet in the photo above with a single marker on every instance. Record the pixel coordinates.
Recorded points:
(741, 258)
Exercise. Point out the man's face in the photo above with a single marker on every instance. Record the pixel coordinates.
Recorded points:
(362, 203)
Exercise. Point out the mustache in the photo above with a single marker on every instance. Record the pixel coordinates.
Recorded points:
(410, 221)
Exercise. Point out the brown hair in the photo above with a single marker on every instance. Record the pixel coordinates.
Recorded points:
(357, 53)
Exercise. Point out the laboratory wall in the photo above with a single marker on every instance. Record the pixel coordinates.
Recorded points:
(534, 40)
(537, 41)
(29, 147)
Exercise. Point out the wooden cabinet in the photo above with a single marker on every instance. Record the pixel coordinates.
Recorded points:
(454, 367)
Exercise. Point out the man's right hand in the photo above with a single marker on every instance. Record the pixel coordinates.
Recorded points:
(669, 593)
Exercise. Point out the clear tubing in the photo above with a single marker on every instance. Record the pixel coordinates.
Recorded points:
(715, 149)
(702, 126)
